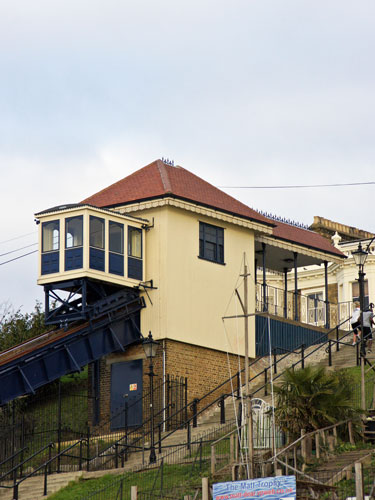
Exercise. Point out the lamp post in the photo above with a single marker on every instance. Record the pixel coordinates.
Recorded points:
(360, 256)
(150, 347)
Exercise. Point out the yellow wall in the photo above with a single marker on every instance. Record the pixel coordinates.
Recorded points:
(193, 294)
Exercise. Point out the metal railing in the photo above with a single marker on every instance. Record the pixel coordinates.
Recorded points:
(312, 311)
(117, 450)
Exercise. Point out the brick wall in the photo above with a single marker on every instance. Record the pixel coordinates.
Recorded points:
(204, 369)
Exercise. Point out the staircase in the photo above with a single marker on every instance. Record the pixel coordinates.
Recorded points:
(32, 489)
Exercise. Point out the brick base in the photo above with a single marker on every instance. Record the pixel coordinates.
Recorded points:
(203, 368)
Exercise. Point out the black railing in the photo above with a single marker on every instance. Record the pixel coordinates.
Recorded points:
(116, 452)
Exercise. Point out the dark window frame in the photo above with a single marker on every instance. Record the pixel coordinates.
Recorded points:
(67, 220)
(138, 230)
(44, 225)
(102, 222)
(120, 225)
(211, 243)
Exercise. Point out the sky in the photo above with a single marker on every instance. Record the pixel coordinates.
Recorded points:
(241, 93)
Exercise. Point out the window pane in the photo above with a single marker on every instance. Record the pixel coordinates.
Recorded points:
(211, 242)
(73, 232)
(116, 237)
(96, 232)
(50, 236)
(135, 242)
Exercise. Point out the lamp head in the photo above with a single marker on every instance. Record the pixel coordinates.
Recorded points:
(360, 256)
(150, 346)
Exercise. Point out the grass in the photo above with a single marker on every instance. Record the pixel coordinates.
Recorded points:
(183, 478)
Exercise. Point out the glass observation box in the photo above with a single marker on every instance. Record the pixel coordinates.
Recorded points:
(78, 241)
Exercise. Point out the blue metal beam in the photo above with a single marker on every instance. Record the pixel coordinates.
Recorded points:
(71, 352)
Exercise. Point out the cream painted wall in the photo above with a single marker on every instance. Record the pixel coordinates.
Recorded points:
(193, 294)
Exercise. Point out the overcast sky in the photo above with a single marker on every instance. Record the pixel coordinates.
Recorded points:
(242, 93)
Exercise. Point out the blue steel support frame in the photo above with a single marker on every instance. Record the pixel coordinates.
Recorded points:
(84, 345)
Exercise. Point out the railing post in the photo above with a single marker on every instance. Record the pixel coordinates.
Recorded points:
(357, 354)
(186, 399)
(15, 491)
(222, 409)
(194, 407)
(49, 458)
(265, 382)
(329, 352)
(213, 460)
(45, 480)
(159, 435)
(80, 455)
(188, 436)
(274, 361)
(337, 339)
(116, 455)
(359, 489)
(88, 449)
(303, 356)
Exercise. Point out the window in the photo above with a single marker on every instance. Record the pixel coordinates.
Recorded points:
(116, 237)
(315, 308)
(116, 248)
(135, 242)
(50, 247)
(50, 236)
(355, 292)
(135, 263)
(211, 243)
(96, 232)
(73, 232)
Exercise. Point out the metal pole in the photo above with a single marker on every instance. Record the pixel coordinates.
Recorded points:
(361, 276)
(59, 423)
(265, 298)
(285, 292)
(248, 395)
(295, 288)
(152, 449)
(326, 293)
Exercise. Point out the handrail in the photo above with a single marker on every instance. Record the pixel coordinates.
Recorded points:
(13, 456)
(195, 401)
(50, 460)
(45, 465)
(25, 461)
(309, 434)
(323, 337)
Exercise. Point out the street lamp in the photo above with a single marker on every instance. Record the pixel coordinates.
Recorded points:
(150, 347)
(360, 256)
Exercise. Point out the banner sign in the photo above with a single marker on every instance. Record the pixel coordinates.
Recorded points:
(270, 488)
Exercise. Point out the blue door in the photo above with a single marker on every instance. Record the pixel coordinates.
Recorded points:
(126, 394)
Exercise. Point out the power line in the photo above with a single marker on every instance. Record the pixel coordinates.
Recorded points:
(18, 249)
(300, 186)
(15, 258)
(17, 237)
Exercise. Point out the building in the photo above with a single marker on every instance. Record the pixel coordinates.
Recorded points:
(169, 238)
(342, 277)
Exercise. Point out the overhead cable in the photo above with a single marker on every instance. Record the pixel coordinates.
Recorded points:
(18, 249)
(15, 258)
(17, 237)
(300, 186)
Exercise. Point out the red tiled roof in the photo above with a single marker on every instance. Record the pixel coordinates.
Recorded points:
(158, 180)
(304, 237)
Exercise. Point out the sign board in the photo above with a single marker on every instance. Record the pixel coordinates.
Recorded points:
(133, 387)
(270, 488)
